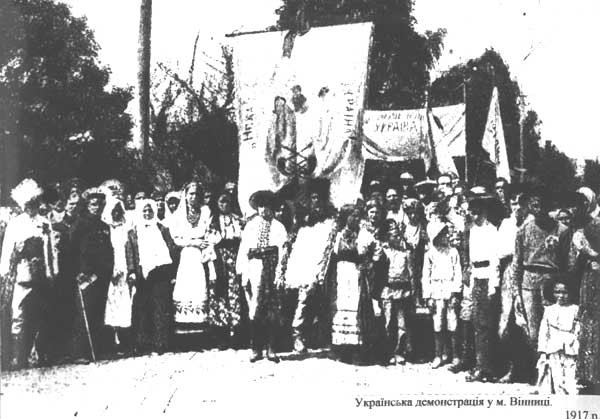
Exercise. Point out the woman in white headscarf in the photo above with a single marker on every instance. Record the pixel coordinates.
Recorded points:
(25, 272)
(122, 285)
(153, 300)
(172, 202)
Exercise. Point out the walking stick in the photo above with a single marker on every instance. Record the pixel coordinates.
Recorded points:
(85, 321)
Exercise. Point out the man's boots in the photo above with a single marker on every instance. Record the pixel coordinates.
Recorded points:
(468, 348)
(439, 344)
(455, 349)
(18, 353)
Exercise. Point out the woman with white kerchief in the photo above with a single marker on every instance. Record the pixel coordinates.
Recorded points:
(152, 306)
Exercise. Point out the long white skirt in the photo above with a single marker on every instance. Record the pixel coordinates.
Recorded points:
(190, 293)
(345, 321)
(118, 304)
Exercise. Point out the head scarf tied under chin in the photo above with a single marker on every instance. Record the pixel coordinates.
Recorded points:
(590, 198)
(118, 235)
(107, 216)
(140, 205)
(153, 250)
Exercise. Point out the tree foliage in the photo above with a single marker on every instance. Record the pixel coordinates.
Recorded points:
(591, 174)
(193, 134)
(555, 169)
(58, 115)
(531, 139)
(400, 57)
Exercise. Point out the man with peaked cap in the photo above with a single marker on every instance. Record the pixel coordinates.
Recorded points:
(444, 184)
(407, 183)
(425, 190)
(91, 255)
(376, 191)
(484, 279)
(258, 263)
(541, 252)
(307, 264)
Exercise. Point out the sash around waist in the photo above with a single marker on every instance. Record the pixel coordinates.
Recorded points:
(481, 264)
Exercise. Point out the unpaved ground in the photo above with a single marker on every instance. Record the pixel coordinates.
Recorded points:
(191, 384)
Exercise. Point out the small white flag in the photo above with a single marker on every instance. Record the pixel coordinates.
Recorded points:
(439, 144)
(493, 139)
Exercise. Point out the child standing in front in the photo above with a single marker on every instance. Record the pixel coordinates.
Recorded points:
(558, 345)
(442, 282)
(397, 295)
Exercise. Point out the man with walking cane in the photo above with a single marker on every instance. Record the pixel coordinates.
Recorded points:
(92, 264)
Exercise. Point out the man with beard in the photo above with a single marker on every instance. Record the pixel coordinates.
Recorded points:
(92, 265)
(541, 253)
(308, 260)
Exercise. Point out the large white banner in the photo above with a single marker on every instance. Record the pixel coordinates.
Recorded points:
(396, 135)
(298, 111)
(404, 135)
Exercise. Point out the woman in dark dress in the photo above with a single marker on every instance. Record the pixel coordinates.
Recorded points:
(225, 294)
(587, 243)
(369, 244)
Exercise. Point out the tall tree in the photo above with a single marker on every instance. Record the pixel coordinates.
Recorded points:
(144, 56)
(531, 140)
(555, 169)
(57, 114)
(400, 57)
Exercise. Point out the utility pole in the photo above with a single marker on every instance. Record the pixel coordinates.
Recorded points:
(521, 139)
(144, 55)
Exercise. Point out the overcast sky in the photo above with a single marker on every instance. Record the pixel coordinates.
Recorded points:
(557, 37)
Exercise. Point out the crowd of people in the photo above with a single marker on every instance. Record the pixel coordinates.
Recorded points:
(502, 283)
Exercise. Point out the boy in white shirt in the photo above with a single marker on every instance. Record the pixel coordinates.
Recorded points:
(442, 282)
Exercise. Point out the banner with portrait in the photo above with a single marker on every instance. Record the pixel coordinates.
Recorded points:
(297, 105)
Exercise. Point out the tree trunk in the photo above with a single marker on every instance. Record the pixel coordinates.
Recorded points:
(144, 49)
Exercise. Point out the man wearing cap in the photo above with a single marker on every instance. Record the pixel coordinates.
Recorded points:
(407, 183)
(258, 262)
(308, 261)
(444, 185)
(91, 255)
(484, 264)
(541, 252)
(376, 191)
(425, 190)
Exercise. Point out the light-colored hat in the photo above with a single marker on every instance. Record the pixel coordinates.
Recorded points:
(407, 177)
(434, 229)
(25, 192)
(94, 192)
